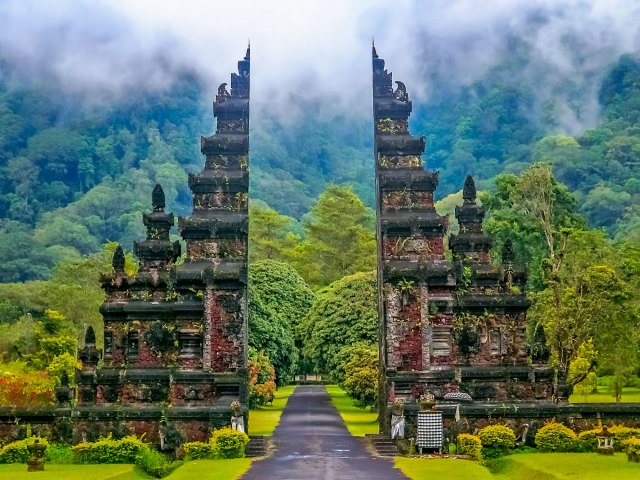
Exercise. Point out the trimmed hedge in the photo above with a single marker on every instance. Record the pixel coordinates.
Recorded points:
(468, 444)
(198, 451)
(17, 452)
(107, 450)
(497, 436)
(229, 443)
(555, 437)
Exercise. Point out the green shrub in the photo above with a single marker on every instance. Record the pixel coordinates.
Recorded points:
(555, 437)
(198, 451)
(469, 445)
(229, 443)
(155, 463)
(17, 452)
(59, 454)
(107, 450)
(500, 436)
(632, 448)
(361, 373)
(587, 441)
(622, 434)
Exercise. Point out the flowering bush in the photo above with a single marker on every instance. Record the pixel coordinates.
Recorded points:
(262, 385)
(26, 389)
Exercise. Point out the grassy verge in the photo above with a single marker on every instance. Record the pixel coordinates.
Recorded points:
(535, 466)
(264, 420)
(604, 395)
(18, 471)
(360, 421)
(449, 468)
(212, 469)
(201, 469)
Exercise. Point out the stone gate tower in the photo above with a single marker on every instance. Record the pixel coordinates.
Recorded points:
(176, 334)
(451, 322)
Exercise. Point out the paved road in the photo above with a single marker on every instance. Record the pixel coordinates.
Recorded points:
(313, 443)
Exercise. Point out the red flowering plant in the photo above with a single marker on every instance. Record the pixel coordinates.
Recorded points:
(262, 385)
(26, 389)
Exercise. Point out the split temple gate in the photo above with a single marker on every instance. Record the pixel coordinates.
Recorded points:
(451, 319)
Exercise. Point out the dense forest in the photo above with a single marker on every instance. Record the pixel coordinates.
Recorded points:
(77, 171)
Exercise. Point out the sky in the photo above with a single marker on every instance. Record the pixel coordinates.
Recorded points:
(312, 48)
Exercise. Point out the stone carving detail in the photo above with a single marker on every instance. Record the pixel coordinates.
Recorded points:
(223, 95)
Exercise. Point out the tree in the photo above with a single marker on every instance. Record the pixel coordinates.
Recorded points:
(587, 299)
(281, 290)
(343, 314)
(267, 233)
(532, 210)
(268, 333)
(339, 238)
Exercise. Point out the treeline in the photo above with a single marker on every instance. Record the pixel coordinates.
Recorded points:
(75, 172)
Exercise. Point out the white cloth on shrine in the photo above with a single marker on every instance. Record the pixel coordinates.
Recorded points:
(237, 423)
(397, 426)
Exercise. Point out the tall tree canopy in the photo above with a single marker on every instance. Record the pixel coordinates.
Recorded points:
(343, 314)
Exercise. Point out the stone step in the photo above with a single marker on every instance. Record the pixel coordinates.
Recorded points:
(257, 446)
(383, 445)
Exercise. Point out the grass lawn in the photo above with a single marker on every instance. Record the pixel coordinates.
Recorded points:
(442, 468)
(197, 469)
(360, 421)
(629, 394)
(264, 420)
(211, 469)
(534, 466)
(18, 471)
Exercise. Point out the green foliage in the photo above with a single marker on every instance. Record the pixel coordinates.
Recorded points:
(343, 314)
(338, 238)
(107, 450)
(361, 372)
(498, 436)
(198, 451)
(59, 454)
(63, 363)
(581, 368)
(229, 443)
(155, 464)
(632, 449)
(555, 437)
(17, 452)
(278, 300)
(467, 444)
(270, 234)
(267, 332)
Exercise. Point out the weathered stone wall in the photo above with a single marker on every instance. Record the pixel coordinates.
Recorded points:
(224, 329)
(66, 425)
(578, 417)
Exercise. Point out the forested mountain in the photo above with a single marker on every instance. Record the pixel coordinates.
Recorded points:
(76, 171)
